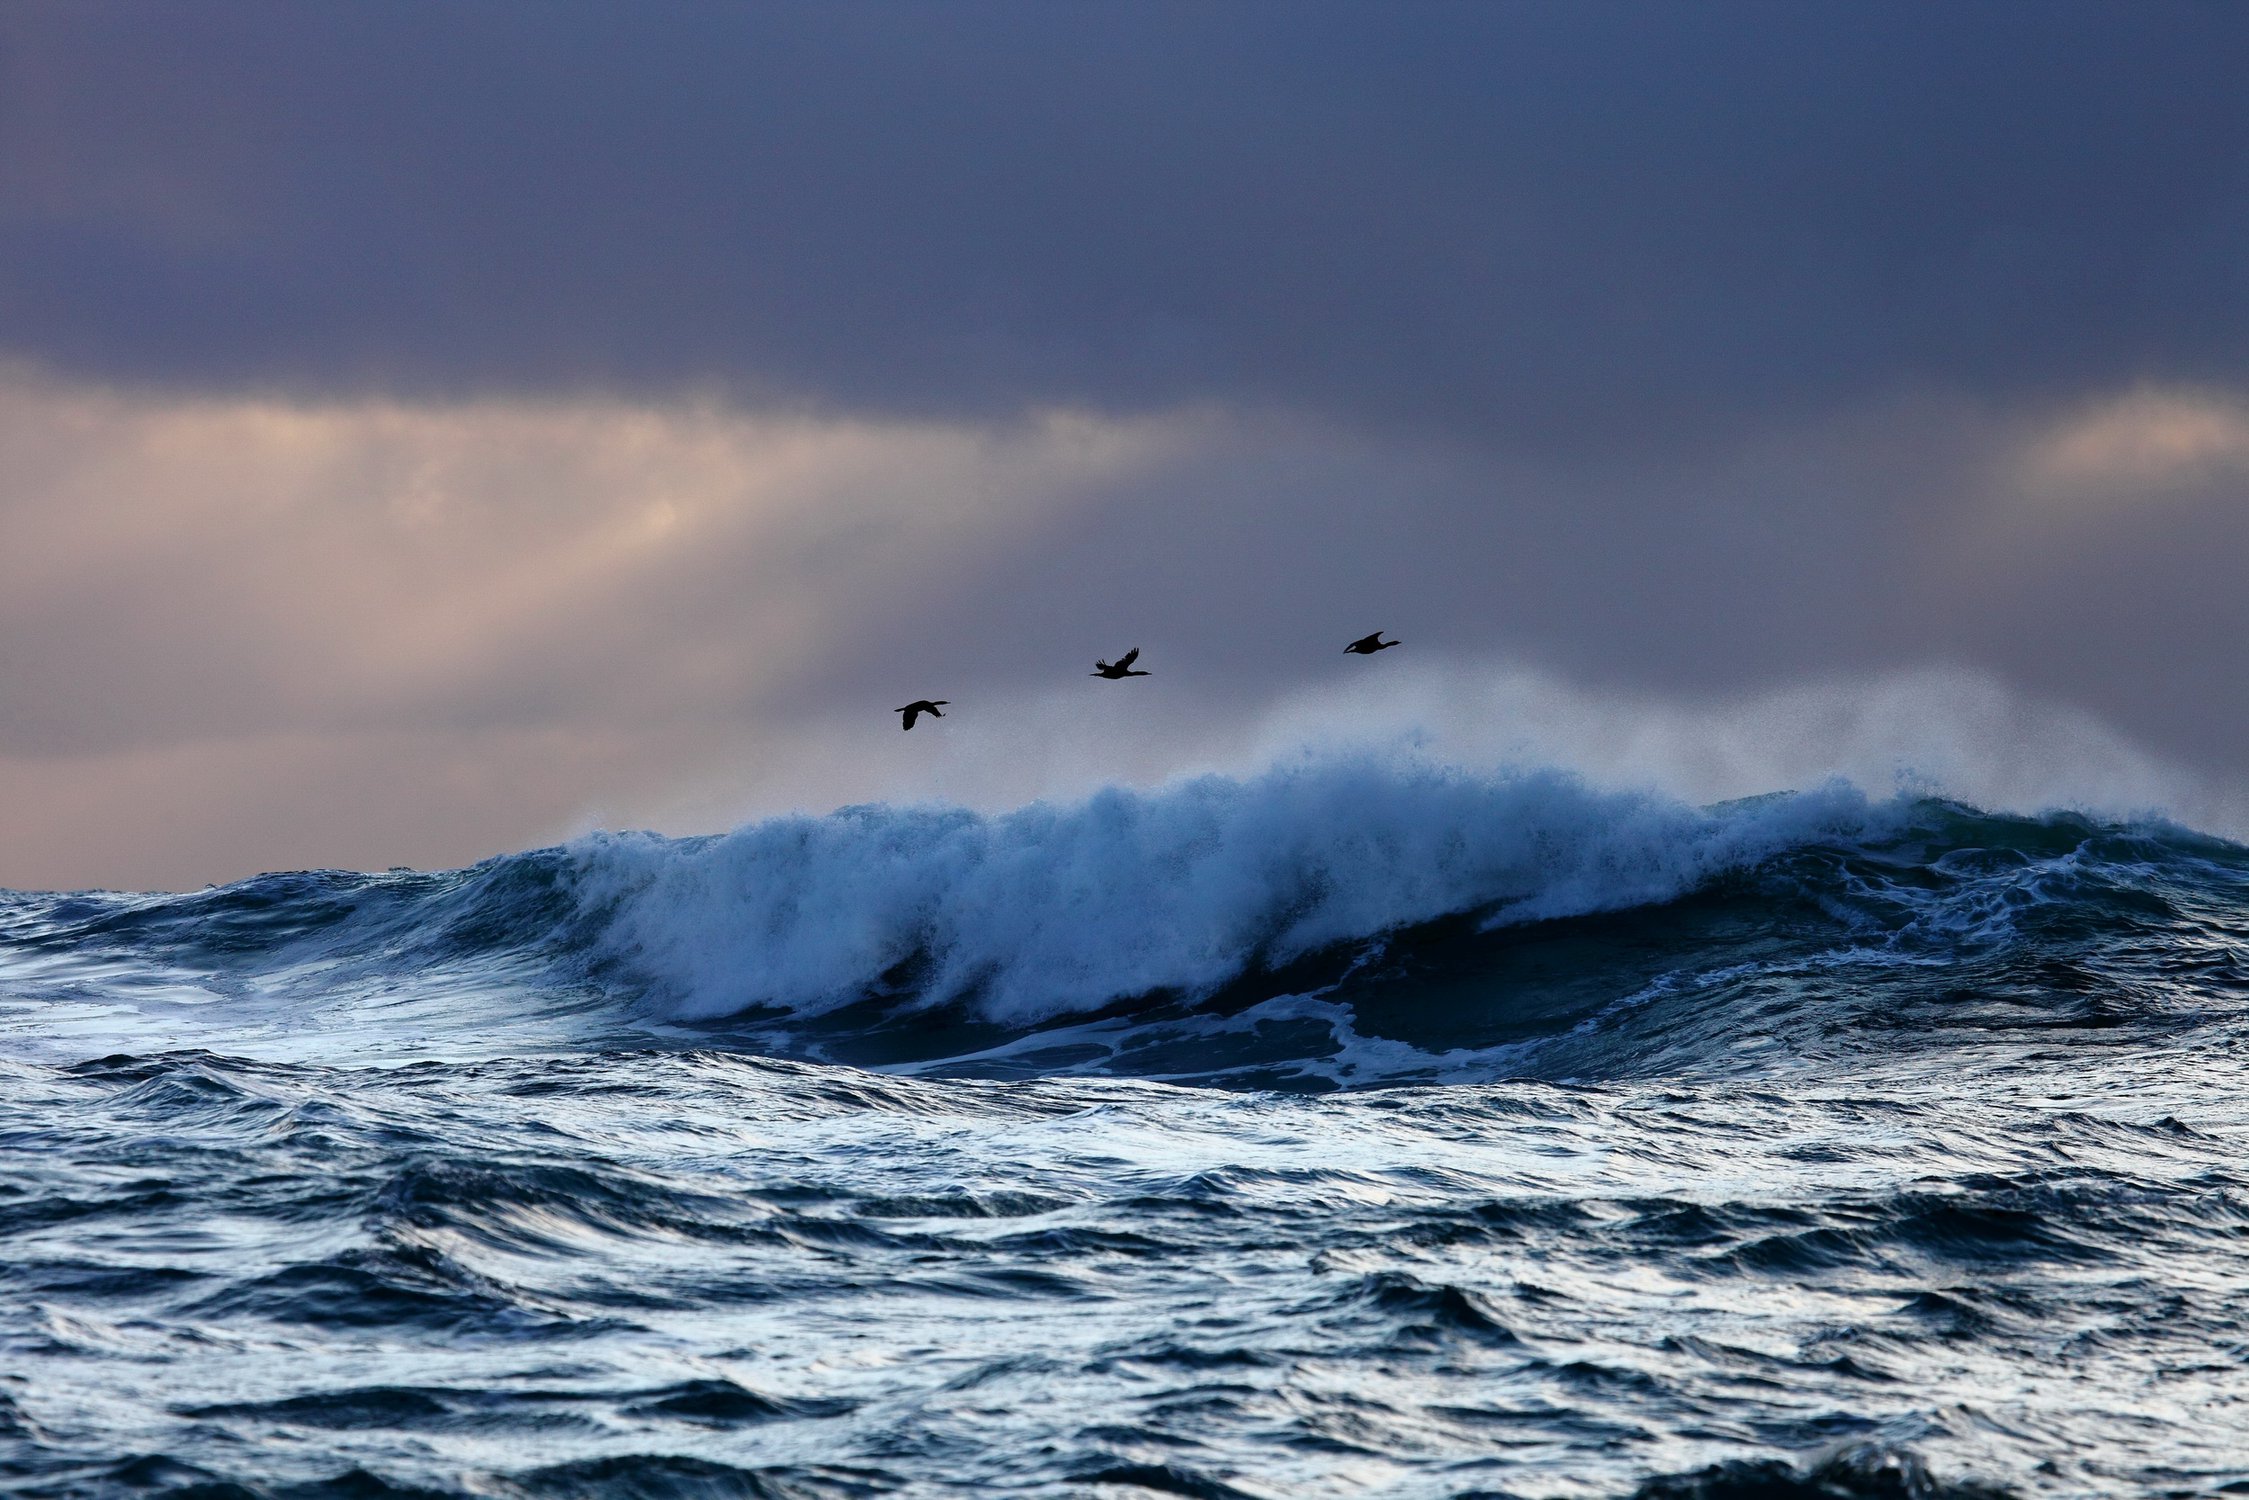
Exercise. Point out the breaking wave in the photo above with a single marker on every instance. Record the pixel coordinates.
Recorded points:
(1057, 909)
(1324, 924)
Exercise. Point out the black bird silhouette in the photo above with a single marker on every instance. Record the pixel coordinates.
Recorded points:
(1122, 667)
(920, 706)
(1367, 645)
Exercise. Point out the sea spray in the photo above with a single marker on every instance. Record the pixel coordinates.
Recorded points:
(1058, 908)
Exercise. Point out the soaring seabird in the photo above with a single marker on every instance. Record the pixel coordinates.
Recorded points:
(920, 706)
(1121, 668)
(1367, 645)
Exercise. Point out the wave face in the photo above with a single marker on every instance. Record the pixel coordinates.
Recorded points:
(1341, 925)
(1544, 1141)
(1054, 910)
(1323, 925)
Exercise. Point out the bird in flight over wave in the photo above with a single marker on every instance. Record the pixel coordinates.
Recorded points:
(1122, 667)
(1367, 645)
(920, 706)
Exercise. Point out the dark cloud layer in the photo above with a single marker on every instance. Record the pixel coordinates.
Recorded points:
(428, 426)
(1569, 226)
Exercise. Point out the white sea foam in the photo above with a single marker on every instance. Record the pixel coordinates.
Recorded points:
(1063, 907)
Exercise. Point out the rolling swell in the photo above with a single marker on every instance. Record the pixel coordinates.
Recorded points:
(1322, 925)
(1339, 925)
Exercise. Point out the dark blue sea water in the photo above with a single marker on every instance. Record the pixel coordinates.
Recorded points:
(1352, 1130)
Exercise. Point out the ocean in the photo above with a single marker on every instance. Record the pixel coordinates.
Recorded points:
(1355, 1128)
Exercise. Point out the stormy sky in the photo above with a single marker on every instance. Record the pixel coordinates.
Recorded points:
(427, 430)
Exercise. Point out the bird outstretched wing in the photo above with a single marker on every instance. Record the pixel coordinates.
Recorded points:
(912, 711)
(1128, 658)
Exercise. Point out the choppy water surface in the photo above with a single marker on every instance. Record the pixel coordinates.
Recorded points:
(1345, 1132)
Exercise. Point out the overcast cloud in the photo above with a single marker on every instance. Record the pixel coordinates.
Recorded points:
(429, 429)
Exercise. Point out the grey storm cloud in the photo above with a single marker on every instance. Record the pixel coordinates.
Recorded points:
(1567, 226)
(426, 429)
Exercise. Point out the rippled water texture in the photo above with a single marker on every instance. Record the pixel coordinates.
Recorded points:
(1321, 1136)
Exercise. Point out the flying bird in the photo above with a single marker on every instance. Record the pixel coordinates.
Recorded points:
(1122, 667)
(920, 706)
(1367, 645)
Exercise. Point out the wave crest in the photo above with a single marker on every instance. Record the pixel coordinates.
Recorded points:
(1056, 909)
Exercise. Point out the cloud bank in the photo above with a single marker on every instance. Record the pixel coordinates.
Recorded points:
(428, 430)
(1578, 226)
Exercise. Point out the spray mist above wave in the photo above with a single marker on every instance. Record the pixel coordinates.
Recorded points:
(1057, 909)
